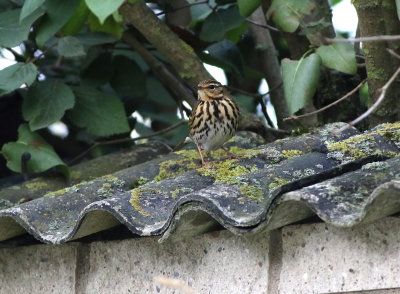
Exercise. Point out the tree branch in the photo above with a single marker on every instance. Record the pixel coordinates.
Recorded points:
(270, 66)
(178, 53)
(160, 70)
(365, 39)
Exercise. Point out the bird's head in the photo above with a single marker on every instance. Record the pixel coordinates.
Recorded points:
(209, 90)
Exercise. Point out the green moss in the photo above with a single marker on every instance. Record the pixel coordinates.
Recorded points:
(291, 153)
(226, 172)
(363, 145)
(277, 182)
(252, 192)
(104, 191)
(139, 182)
(76, 175)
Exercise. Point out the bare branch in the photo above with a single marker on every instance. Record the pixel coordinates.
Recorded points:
(365, 39)
(376, 104)
(393, 53)
(266, 26)
(329, 105)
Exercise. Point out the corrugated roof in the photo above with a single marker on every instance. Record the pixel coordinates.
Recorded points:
(345, 179)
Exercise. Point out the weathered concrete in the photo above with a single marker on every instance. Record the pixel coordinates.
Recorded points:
(38, 269)
(319, 258)
(213, 263)
(307, 258)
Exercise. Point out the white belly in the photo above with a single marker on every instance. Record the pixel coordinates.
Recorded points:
(214, 136)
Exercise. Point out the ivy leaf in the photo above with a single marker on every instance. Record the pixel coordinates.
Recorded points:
(300, 80)
(43, 156)
(219, 22)
(100, 113)
(16, 75)
(46, 103)
(29, 7)
(339, 56)
(57, 15)
(103, 9)
(12, 31)
(287, 14)
(246, 7)
(70, 47)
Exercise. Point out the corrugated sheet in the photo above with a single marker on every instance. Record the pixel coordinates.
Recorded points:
(345, 179)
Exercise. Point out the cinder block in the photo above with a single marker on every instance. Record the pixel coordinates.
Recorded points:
(319, 258)
(217, 262)
(38, 269)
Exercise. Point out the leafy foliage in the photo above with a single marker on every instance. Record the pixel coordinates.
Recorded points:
(73, 66)
(43, 156)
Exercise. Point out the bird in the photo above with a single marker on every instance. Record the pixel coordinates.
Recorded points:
(215, 118)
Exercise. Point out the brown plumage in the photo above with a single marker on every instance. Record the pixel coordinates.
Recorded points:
(215, 118)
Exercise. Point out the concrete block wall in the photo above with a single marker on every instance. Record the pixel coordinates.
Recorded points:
(309, 258)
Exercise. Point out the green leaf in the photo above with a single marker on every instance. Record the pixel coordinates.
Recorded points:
(29, 7)
(70, 47)
(110, 26)
(95, 38)
(104, 8)
(287, 14)
(46, 103)
(128, 78)
(339, 56)
(57, 15)
(43, 156)
(77, 20)
(228, 54)
(100, 113)
(398, 8)
(16, 75)
(12, 31)
(99, 71)
(300, 80)
(246, 7)
(219, 22)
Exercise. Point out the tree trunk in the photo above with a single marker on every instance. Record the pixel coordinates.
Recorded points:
(379, 18)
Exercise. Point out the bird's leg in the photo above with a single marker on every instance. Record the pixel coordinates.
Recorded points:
(230, 154)
(201, 154)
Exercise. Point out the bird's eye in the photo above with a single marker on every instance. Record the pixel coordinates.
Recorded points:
(212, 87)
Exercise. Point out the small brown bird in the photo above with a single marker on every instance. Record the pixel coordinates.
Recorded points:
(214, 120)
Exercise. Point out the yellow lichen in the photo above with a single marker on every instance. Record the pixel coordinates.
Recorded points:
(55, 193)
(252, 192)
(277, 182)
(135, 201)
(36, 185)
(291, 153)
